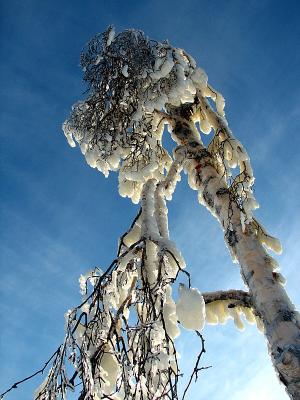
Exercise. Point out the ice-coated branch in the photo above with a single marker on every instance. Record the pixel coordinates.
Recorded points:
(40, 371)
(119, 126)
(235, 296)
(245, 238)
(136, 86)
(120, 341)
(222, 305)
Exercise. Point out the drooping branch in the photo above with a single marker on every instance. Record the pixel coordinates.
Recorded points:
(111, 354)
(40, 371)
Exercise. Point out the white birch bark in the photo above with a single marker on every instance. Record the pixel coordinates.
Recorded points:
(269, 299)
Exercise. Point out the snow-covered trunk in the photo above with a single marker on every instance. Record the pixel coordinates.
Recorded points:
(270, 301)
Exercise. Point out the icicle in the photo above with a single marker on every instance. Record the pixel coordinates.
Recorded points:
(235, 314)
(205, 126)
(149, 225)
(269, 241)
(126, 188)
(170, 315)
(169, 248)
(210, 315)
(248, 315)
(151, 262)
(174, 174)
(111, 366)
(220, 309)
(133, 235)
(161, 212)
(170, 266)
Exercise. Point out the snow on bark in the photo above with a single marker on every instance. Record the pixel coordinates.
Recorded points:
(120, 340)
(223, 305)
(245, 238)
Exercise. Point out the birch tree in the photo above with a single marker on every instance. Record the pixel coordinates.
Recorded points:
(121, 340)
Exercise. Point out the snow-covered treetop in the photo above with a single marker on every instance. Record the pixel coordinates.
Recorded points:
(135, 87)
(129, 77)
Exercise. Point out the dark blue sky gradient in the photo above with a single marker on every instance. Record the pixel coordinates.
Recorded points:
(59, 217)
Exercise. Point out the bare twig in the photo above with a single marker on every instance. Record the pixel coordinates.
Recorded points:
(196, 367)
(40, 371)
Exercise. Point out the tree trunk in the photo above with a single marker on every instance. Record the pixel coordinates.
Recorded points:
(270, 302)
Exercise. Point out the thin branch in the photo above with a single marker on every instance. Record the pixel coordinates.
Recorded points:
(40, 371)
(196, 367)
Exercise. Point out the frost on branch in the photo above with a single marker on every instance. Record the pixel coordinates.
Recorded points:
(120, 341)
(218, 312)
(130, 77)
(222, 305)
(221, 172)
(135, 87)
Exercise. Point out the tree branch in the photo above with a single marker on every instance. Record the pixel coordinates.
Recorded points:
(40, 371)
(240, 296)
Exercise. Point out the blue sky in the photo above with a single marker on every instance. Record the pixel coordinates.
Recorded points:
(59, 217)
